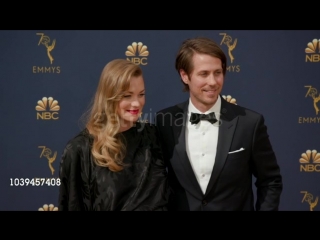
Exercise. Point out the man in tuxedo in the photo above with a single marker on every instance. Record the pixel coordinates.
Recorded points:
(214, 148)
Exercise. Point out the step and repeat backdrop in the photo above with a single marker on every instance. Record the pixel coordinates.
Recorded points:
(49, 77)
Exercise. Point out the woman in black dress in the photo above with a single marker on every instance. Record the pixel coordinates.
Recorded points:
(115, 163)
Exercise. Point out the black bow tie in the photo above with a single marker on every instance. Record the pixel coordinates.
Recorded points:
(196, 117)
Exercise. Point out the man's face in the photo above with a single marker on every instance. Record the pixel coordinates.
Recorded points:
(205, 82)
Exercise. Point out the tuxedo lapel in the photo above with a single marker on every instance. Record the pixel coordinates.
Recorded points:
(228, 122)
(182, 162)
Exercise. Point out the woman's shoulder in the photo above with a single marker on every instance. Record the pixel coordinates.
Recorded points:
(76, 154)
(80, 142)
(80, 138)
(146, 128)
(148, 132)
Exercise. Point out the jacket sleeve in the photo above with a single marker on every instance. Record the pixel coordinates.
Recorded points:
(160, 172)
(72, 191)
(266, 170)
(155, 188)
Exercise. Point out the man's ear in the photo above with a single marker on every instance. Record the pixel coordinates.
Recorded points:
(184, 76)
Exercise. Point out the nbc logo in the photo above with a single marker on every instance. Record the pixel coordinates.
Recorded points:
(46, 104)
(310, 161)
(137, 49)
(311, 49)
(230, 99)
(48, 208)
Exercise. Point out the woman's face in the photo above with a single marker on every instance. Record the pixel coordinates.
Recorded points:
(131, 105)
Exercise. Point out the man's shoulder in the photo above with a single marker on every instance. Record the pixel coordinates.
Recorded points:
(250, 111)
(244, 112)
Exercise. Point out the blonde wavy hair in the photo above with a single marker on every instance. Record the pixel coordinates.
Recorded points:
(103, 122)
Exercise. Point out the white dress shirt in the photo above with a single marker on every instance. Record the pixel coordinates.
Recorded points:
(201, 144)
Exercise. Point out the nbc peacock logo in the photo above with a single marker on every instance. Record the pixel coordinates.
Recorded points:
(310, 161)
(47, 109)
(137, 53)
(312, 55)
(49, 46)
(48, 208)
(231, 46)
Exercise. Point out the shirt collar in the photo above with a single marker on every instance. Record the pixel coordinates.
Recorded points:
(215, 108)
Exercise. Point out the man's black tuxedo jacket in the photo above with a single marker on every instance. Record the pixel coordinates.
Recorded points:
(230, 187)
